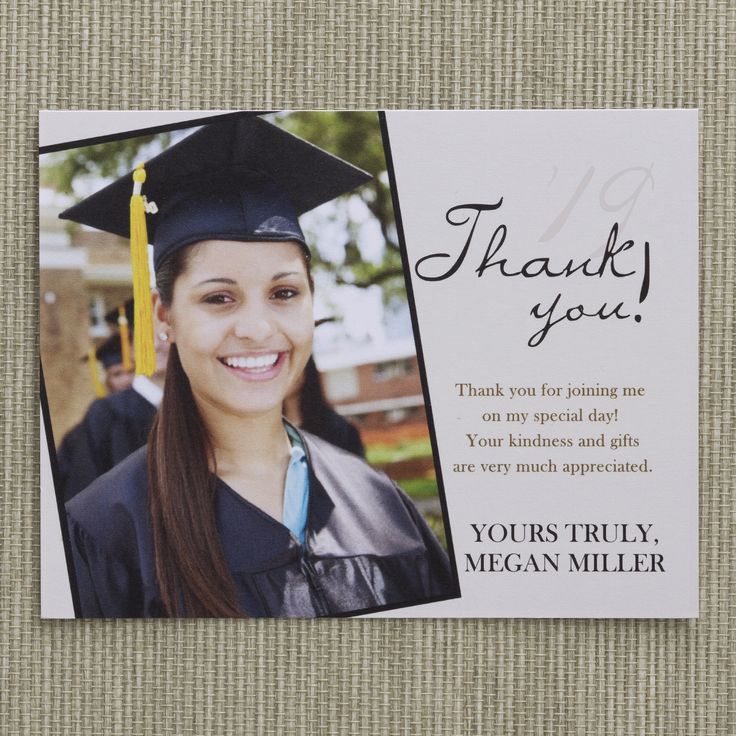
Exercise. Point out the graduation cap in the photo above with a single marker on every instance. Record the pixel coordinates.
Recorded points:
(239, 179)
(126, 310)
(110, 352)
(123, 316)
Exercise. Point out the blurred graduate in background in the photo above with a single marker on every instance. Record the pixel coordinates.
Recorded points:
(307, 407)
(117, 374)
(116, 424)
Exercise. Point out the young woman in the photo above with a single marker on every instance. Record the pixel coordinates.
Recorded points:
(229, 510)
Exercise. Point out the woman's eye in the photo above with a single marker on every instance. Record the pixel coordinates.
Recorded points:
(285, 293)
(217, 299)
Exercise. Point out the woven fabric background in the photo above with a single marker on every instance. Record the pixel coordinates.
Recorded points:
(360, 676)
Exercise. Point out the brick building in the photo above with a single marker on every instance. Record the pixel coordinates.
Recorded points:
(375, 386)
(82, 275)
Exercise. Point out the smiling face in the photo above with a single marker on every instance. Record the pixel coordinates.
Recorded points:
(241, 317)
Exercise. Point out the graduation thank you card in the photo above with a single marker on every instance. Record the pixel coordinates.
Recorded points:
(431, 364)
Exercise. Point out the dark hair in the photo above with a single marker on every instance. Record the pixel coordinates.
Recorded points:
(313, 406)
(191, 570)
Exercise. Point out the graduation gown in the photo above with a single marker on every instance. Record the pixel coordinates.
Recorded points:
(366, 544)
(339, 431)
(112, 428)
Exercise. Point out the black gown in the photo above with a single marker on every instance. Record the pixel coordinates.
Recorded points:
(366, 545)
(112, 429)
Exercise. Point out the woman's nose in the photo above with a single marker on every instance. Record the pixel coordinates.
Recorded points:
(254, 322)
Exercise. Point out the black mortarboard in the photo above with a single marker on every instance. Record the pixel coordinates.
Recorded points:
(110, 352)
(124, 317)
(239, 179)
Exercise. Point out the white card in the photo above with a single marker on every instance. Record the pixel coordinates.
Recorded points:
(551, 269)
(565, 406)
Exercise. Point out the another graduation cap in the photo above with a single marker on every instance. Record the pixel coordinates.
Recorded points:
(110, 352)
(123, 316)
(238, 179)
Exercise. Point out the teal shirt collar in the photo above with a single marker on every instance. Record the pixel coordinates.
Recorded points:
(296, 487)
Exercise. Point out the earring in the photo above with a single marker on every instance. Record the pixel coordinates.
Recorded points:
(163, 336)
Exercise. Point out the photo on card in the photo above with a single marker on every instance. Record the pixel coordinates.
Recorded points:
(233, 392)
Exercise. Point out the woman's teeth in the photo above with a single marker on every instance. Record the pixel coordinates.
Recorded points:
(261, 362)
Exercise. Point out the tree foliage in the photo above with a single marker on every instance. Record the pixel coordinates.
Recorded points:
(100, 161)
(356, 137)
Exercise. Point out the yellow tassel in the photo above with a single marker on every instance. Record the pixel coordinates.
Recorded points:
(145, 353)
(124, 338)
(94, 372)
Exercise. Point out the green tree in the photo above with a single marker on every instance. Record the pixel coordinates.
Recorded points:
(356, 137)
(101, 161)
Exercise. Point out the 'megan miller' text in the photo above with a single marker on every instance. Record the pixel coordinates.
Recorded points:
(585, 562)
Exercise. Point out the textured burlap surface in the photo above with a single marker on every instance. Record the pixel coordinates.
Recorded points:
(361, 676)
